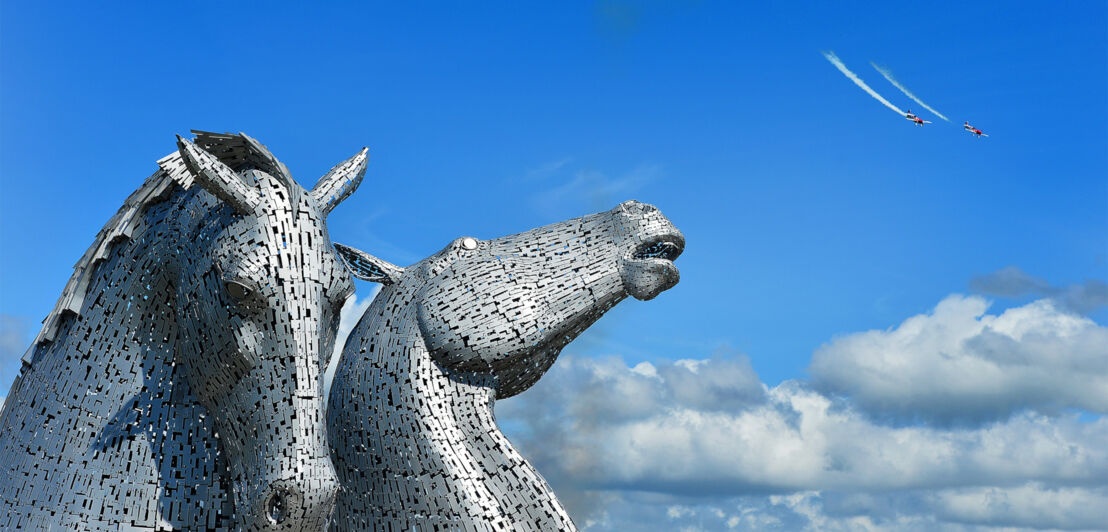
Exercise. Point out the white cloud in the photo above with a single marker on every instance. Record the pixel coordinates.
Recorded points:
(703, 443)
(1029, 505)
(799, 439)
(1023, 507)
(959, 364)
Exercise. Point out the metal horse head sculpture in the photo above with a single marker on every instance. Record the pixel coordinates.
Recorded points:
(410, 414)
(177, 383)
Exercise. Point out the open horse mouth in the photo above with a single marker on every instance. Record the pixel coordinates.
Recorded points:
(662, 249)
(649, 269)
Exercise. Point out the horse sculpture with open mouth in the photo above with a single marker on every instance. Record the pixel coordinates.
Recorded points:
(410, 415)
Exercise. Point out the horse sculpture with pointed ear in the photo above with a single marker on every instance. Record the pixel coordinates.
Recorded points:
(177, 383)
(410, 414)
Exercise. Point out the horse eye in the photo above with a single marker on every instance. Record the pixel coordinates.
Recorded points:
(237, 290)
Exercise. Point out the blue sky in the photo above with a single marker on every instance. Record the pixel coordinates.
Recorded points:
(812, 213)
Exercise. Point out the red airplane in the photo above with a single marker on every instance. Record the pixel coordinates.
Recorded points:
(915, 119)
(974, 130)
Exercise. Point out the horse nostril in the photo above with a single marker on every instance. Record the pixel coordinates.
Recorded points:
(277, 507)
(295, 504)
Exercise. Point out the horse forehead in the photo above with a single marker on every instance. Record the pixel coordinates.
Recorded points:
(575, 239)
(272, 245)
(283, 196)
(297, 264)
(572, 231)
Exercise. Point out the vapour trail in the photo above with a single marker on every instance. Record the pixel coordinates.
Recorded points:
(834, 59)
(889, 76)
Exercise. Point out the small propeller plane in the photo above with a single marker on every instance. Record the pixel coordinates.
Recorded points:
(973, 130)
(915, 119)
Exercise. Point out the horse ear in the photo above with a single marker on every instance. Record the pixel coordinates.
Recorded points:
(367, 267)
(340, 182)
(217, 178)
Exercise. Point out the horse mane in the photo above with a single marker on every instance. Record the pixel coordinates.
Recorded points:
(239, 152)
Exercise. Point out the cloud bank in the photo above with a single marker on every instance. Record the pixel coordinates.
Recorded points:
(959, 364)
(953, 420)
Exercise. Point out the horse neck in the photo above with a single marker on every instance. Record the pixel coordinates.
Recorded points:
(438, 442)
(122, 335)
(127, 306)
(107, 389)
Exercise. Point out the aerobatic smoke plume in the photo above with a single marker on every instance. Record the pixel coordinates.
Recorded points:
(834, 59)
(889, 76)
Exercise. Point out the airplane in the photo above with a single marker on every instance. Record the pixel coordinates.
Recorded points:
(915, 119)
(973, 130)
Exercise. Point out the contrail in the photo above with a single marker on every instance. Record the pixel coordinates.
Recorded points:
(889, 76)
(834, 59)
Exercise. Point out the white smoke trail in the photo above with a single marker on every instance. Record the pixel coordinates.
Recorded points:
(834, 59)
(889, 76)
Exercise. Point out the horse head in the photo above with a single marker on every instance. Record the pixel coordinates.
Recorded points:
(259, 291)
(411, 422)
(507, 306)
